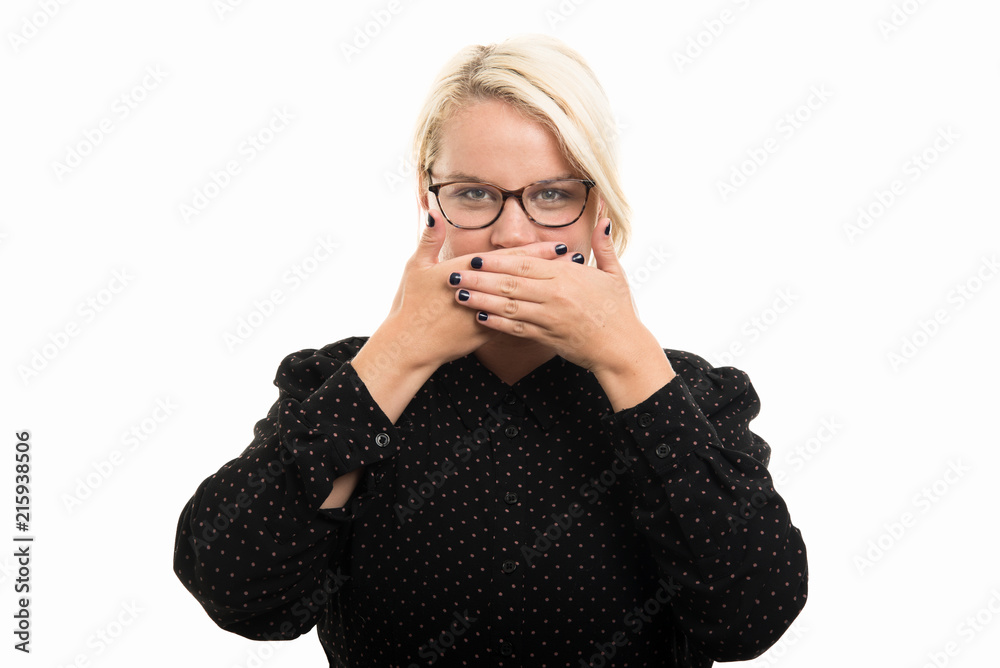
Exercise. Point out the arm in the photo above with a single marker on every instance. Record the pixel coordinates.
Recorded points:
(707, 506)
(260, 537)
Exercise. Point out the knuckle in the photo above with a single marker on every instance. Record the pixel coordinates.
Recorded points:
(510, 307)
(508, 285)
(523, 266)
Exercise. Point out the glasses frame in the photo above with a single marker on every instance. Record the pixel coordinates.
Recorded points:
(516, 194)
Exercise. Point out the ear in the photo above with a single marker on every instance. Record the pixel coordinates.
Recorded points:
(422, 201)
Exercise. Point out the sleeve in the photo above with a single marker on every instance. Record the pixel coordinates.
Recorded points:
(252, 544)
(706, 504)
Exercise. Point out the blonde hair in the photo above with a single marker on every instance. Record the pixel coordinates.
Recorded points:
(547, 81)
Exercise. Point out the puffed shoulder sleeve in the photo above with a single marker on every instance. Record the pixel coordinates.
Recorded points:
(252, 544)
(707, 506)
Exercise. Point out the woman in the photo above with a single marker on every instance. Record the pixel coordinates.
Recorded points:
(511, 468)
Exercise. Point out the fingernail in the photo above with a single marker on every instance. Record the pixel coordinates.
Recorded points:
(482, 316)
(578, 257)
(430, 220)
(607, 230)
(455, 278)
(561, 249)
(477, 262)
(463, 295)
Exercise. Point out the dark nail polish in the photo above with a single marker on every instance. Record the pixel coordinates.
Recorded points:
(430, 220)
(477, 262)
(607, 230)
(561, 249)
(463, 295)
(455, 278)
(578, 257)
(482, 316)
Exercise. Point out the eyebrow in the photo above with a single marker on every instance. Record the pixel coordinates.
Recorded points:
(462, 176)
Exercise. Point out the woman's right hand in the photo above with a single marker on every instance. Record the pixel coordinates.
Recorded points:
(425, 322)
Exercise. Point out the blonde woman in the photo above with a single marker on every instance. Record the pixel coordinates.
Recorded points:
(510, 470)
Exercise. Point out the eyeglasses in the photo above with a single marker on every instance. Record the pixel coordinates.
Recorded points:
(552, 203)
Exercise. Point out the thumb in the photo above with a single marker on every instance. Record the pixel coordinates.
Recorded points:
(431, 239)
(604, 250)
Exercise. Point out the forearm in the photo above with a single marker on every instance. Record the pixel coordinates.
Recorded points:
(392, 378)
(639, 369)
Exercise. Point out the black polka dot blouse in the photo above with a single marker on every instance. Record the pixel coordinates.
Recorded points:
(501, 525)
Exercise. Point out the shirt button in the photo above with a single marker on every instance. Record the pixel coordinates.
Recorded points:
(506, 649)
(382, 440)
(510, 398)
(509, 566)
(645, 419)
(662, 450)
(511, 431)
(510, 497)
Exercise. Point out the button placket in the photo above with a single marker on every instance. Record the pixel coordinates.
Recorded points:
(510, 472)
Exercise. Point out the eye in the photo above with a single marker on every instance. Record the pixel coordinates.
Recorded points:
(475, 194)
(550, 195)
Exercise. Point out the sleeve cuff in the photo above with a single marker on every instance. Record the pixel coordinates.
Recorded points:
(665, 427)
(337, 429)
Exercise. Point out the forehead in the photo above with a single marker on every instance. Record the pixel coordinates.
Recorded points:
(498, 143)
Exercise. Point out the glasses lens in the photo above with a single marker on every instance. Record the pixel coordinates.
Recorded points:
(551, 203)
(555, 202)
(470, 204)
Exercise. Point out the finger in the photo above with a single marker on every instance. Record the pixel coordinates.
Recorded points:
(541, 249)
(516, 309)
(547, 250)
(514, 327)
(522, 265)
(604, 250)
(502, 285)
(431, 240)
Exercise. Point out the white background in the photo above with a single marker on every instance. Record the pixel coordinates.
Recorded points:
(893, 430)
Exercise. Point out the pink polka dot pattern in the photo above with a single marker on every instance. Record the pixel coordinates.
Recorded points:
(503, 525)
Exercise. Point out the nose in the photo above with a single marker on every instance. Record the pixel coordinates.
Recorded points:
(513, 227)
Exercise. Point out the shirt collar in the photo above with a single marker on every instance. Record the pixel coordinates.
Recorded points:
(547, 392)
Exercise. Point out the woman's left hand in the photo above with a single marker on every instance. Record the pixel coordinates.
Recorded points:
(586, 314)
